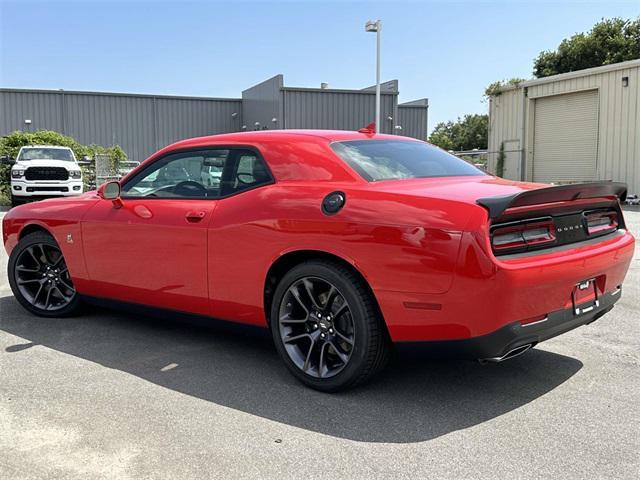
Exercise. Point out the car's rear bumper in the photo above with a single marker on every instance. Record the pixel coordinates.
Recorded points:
(488, 294)
(499, 343)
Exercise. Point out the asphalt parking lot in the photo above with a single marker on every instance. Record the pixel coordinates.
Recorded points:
(113, 395)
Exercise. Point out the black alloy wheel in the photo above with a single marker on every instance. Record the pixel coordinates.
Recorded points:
(316, 327)
(39, 277)
(327, 327)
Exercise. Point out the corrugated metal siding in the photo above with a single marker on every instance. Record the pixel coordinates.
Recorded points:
(184, 118)
(262, 103)
(140, 124)
(619, 120)
(112, 120)
(41, 108)
(331, 109)
(413, 120)
(505, 125)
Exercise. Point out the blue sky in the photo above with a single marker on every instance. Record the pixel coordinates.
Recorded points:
(446, 51)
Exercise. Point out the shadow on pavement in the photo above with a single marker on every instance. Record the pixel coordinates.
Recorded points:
(413, 400)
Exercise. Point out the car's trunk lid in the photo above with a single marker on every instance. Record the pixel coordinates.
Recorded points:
(570, 213)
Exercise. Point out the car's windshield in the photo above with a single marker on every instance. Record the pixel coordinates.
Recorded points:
(397, 159)
(45, 154)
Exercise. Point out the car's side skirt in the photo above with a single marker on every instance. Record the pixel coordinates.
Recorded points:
(175, 315)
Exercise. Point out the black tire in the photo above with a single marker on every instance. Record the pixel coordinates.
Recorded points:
(61, 302)
(367, 354)
(15, 201)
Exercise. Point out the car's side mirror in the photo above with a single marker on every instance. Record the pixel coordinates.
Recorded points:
(7, 160)
(111, 191)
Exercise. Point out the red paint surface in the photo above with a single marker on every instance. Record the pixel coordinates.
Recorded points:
(416, 242)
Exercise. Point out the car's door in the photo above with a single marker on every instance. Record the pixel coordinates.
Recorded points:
(153, 249)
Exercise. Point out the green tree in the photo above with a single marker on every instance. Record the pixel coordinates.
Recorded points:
(466, 133)
(609, 41)
(494, 88)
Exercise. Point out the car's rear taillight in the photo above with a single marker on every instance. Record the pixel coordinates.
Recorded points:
(521, 236)
(601, 222)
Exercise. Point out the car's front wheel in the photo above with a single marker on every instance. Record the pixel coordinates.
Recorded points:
(39, 277)
(327, 327)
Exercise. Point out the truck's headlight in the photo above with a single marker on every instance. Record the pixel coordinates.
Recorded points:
(17, 173)
(75, 174)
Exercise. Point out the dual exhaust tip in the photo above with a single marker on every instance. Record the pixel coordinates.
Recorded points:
(514, 352)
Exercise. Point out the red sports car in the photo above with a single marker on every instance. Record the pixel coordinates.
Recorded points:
(342, 243)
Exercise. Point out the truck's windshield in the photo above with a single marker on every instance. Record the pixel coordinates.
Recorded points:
(45, 154)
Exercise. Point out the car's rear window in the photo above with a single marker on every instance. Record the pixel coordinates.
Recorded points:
(397, 159)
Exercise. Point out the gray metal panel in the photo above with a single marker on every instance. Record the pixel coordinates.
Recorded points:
(413, 118)
(339, 110)
(262, 103)
(112, 120)
(184, 118)
(421, 102)
(43, 109)
(140, 124)
(390, 86)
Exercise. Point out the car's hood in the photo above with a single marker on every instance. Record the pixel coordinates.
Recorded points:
(462, 189)
(46, 163)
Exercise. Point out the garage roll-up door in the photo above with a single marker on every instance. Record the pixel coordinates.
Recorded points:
(565, 146)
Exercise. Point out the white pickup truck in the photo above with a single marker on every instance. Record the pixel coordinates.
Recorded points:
(44, 171)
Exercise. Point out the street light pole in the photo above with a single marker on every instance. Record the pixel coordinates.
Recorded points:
(376, 26)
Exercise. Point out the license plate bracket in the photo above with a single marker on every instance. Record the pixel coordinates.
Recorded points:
(585, 297)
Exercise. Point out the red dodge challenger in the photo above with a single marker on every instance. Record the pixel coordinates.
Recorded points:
(342, 243)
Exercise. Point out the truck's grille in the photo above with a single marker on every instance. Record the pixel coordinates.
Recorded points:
(46, 173)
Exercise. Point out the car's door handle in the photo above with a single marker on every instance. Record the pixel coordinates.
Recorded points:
(194, 216)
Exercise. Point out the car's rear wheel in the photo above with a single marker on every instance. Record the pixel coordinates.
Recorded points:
(39, 277)
(327, 327)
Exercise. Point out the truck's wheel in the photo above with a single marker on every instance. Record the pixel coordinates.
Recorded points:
(327, 327)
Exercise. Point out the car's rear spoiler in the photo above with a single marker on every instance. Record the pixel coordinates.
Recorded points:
(497, 205)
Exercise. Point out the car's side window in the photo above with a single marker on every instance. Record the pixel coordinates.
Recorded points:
(211, 173)
(251, 172)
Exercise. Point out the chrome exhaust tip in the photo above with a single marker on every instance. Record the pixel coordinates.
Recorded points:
(514, 352)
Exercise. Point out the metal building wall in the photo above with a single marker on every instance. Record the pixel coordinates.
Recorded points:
(336, 109)
(140, 124)
(505, 124)
(413, 118)
(618, 156)
(42, 108)
(179, 118)
(262, 103)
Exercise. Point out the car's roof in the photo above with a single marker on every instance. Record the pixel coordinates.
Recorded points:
(287, 136)
(317, 164)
